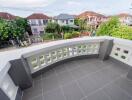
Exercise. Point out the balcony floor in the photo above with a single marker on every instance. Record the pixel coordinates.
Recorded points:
(87, 79)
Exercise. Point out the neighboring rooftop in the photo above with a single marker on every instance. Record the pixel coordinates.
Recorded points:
(89, 13)
(38, 16)
(64, 16)
(7, 16)
(124, 15)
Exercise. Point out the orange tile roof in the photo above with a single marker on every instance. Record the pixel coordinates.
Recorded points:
(89, 13)
(124, 15)
(7, 16)
(38, 16)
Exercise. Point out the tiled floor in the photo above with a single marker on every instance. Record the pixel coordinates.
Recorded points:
(87, 79)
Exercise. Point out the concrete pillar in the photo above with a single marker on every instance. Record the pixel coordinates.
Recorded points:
(20, 73)
(3, 96)
(105, 49)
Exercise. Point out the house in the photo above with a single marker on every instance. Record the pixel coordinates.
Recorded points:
(7, 16)
(64, 19)
(38, 22)
(125, 18)
(92, 18)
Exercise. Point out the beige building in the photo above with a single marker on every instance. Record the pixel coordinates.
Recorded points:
(125, 18)
(92, 18)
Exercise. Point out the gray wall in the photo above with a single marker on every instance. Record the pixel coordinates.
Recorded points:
(20, 74)
(3, 96)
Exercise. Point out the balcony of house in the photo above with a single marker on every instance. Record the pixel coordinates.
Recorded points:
(89, 68)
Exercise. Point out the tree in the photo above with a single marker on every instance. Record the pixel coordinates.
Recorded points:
(107, 28)
(115, 29)
(53, 28)
(66, 28)
(23, 23)
(123, 31)
(13, 29)
(82, 24)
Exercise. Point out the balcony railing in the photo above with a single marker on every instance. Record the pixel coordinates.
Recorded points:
(38, 57)
(61, 50)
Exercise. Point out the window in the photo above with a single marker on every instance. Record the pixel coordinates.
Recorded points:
(41, 32)
(45, 22)
(33, 22)
(35, 30)
(71, 21)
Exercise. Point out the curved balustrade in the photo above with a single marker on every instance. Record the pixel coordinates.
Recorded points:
(54, 53)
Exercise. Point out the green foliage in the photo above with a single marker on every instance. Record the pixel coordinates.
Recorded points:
(82, 23)
(66, 29)
(115, 29)
(12, 29)
(67, 35)
(50, 36)
(71, 35)
(53, 28)
(107, 28)
(124, 32)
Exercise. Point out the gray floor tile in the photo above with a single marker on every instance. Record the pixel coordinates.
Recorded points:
(54, 95)
(125, 84)
(40, 97)
(99, 95)
(32, 94)
(88, 85)
(72, 92)
(50, 83)
(37, 85)
(104, 76)
(116, 93)
(72, 65)
(48, 73)
(64, 78)
(61, 68)
(79, 72)
(37, 78)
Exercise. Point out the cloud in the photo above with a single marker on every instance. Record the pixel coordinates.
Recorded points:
(73, 3)
(25, 3)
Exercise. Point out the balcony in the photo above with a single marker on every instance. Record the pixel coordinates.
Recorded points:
(86, 68)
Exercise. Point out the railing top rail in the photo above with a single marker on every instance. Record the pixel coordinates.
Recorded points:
(124, 42)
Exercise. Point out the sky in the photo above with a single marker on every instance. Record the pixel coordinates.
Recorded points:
(24, 8)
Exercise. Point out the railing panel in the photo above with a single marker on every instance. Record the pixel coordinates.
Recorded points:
(122, 51)
(40, 60)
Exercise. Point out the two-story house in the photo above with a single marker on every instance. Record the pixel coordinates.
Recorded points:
(64, 19)
(92, 18)
(38, 23)
(125, 18)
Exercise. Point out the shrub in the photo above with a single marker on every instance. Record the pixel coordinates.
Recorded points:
(71, 35)
(124, 32)
(51, 36)
(75, 34)
(67, 36)
(107, 28)
(53, 28)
